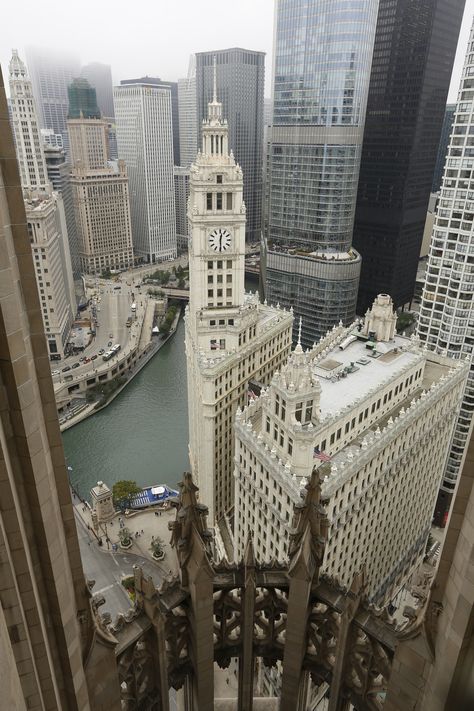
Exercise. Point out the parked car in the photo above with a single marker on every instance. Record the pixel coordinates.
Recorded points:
(68, 367)
(81, 359)
(109, 343)
(76, 365)
(101, 351)
(94, 356)
(87, 360)
(55, 372)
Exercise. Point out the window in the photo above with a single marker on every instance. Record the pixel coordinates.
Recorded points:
(219, 201)
(229, 201)
(210, 265)
(219, 264)
(309, 410)
(209, 201)
(299, 411)
(219, 178)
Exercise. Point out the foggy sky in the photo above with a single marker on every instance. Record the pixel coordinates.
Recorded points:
(154, 37)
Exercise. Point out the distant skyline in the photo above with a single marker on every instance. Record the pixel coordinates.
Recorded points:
(154, 39)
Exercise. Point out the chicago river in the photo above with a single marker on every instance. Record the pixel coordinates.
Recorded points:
(143, 434)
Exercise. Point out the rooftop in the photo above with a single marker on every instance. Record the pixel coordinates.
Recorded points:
(349, 374)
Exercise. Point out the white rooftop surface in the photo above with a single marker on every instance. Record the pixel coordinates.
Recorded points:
(335, 396)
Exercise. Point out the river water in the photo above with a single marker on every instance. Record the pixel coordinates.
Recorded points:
(143, 434)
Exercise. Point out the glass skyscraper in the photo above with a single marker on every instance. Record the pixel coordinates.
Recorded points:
(51, 73)
(321, 67)
(414, 50)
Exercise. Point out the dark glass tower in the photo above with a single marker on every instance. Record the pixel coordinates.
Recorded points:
(82, 100)
(100, 77)
(322, 57)
(240, 84)
(414, 50)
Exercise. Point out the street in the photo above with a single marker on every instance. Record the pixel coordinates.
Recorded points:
(108, 569)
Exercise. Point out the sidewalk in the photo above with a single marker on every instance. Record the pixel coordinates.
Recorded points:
(144, 523)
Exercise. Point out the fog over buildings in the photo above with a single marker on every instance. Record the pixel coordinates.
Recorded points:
(154, 47)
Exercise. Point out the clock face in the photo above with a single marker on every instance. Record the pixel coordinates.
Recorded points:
(219, 240)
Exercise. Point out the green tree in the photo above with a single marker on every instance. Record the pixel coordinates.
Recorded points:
(157, 547)
(404, 320)
(123, 491)
(125, 536)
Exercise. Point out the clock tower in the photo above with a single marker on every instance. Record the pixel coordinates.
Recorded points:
(216, 214)
(226, 344)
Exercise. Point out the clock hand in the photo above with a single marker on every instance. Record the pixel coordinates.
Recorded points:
(220, 241)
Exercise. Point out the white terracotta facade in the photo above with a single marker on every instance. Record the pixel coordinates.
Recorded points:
(384, 412)
(230, 337)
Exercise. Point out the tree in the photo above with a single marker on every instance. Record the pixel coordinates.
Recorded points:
(404, 321)
(125, 536)
(157, 548)
(123, 491)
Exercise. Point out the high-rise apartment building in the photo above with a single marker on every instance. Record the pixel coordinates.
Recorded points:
(100, 77)
(45, 215)
(188, 122)
(446, 320)
(51, 73)
(320, 85)
(380, 411)
(443, 147)
(145, 143)
(101, 198)
(230, 337)
(240, 85)
(414, 50)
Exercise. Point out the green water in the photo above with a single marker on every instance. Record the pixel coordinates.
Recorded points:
(142, 434)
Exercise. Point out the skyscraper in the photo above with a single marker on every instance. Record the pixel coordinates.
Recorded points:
(59, 174)
(100, 77)
(82, 100)
(320, 85)
(51, 73)
(188, 128)
(173, 88)
(414, 51)
(45, 215)
(443, 146)
(240, 85)
(100, 192)
(382, 426)
(145, 143)
(25, 124)
(446, 321)
(230, 336)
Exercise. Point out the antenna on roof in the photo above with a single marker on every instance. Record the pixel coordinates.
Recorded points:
(299, 331)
